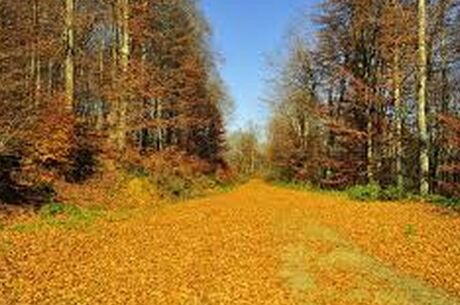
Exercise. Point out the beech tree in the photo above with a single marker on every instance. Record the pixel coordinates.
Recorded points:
(295, 132)
(69, 57)
(384, 100)
(421, 99)
(127, 81)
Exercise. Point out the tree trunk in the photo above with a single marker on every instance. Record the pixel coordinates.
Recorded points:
(50, 78)
(370, 140)
(38, 81)
(101, 62)
(124, 63)
(112, 118)
(398, 119)
(100, 105)
(421, 112)
(35, 62)
(159, 128)
(69, 61)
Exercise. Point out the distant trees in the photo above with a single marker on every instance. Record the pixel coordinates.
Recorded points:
(383, 97)
(295, 134)
(245, 152)
(112, 80)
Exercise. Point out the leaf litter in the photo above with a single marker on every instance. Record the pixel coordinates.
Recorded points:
(256, 245)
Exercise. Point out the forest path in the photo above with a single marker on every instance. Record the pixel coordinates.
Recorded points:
(255, 245)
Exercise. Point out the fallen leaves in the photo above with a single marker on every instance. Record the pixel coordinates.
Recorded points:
(256, 245)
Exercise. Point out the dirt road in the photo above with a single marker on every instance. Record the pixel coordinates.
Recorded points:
(256, 245)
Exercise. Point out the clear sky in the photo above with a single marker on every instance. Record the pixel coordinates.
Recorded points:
(245, 33)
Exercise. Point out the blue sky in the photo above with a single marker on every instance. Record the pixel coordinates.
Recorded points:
(245, 33)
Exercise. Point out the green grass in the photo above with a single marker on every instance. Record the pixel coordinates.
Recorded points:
(373, 193)
(366, 193)
(453, 203)
(57, 215)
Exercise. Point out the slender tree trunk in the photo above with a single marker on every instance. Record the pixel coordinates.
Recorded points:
(101, 62)
(100, 106)
(398, 118)
(113, 114)
(124, 63)
(115, 40)
(421, 112)
(35, 64)
(370, 150)
(159, 129)
(50, 78)
(370, 141)
(69, 61)
(143, 133)
(330, 141)
(112, 118)
(38, 81)
(124, 46)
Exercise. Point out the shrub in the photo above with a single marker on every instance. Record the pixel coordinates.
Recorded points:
(52, 209)
(69, 215)
(392, 193)
(369, 192)
(225, 176)
(449, 202)
(175, 174)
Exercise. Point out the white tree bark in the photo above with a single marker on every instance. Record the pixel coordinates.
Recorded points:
(69, 69)
(398, 118)
(421, 112)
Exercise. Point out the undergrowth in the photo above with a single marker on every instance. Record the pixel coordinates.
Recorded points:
(69, 217)
(448, 202)
(370, 192)
(57, 215)
(373, 192)
(292, 185)
(128, 191)
(305, 187)
(177, 176)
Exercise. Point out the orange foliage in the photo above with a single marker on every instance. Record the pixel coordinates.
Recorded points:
(256, 245)
(48, 143)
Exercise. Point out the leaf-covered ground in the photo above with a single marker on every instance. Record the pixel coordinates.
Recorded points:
(256, 245)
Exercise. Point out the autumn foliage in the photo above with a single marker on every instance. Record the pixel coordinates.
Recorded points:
(133, 82)
(348, 107)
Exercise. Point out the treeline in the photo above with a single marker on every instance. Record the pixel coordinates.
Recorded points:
(246, 152)
(372, 99)
(95, 85)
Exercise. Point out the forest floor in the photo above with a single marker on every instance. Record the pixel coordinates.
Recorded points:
(258, 244)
